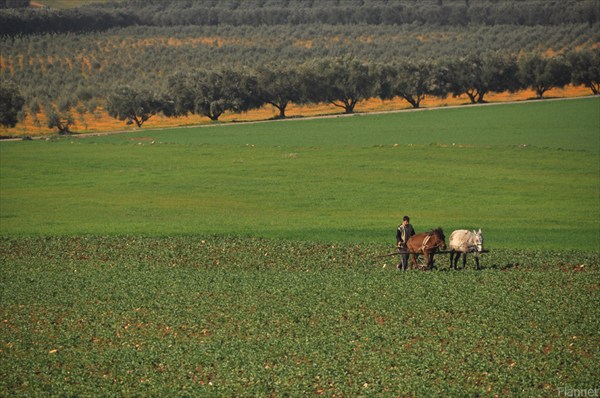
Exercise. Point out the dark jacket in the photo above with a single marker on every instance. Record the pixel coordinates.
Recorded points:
(404, 233)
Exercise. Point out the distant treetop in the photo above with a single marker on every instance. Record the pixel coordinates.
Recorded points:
(14, 19)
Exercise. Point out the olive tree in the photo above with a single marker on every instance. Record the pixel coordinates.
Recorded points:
(59, 115)
(342, 82)
(63, 121)
(131, 104)
(478, 74)
(211, 93)
(11, 104)
(586, 69)
(412, 81)
(542, 74)
(280, 85)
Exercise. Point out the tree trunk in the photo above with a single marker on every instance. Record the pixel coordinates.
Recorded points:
(472, 96)
(347, 105)
(281, 108)
(137, 121)
(350, 104)
(214, 116)
(414, 101)
(540, 90)
(63, 129)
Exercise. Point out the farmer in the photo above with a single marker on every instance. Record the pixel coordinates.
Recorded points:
(403, 234)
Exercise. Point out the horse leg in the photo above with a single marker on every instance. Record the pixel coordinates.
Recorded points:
(428, 259)
(454, 256)
(476, 261)
(465, 260)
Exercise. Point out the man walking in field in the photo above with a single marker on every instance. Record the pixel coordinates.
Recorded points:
(403, 234)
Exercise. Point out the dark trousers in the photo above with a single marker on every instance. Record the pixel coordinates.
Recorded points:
(403, 258)
(404, 261)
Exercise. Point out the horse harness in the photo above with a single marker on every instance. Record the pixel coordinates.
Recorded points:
(424, 244)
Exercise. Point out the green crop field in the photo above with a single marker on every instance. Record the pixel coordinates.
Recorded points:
(242, 260)
(527, 174)
(181, 316)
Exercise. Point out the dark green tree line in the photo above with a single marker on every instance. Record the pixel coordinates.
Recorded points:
(4, 4)
(87, 66)
(343, 82)
(258, 13)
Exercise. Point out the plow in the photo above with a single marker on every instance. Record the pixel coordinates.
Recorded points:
(421, 261)
(417, 253)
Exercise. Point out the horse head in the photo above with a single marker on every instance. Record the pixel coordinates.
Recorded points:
(477, 238)
(440, 233)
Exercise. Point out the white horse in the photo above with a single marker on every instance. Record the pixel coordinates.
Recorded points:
(463, 241)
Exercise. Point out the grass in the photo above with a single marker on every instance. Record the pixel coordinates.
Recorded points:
(527, 174)
(242, 260)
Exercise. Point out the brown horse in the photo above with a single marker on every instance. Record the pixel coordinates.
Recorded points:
(427, 243)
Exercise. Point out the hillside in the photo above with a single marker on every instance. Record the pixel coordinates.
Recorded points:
(69, 62)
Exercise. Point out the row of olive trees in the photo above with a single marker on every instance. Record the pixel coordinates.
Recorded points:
(344, 82)
(86, 68)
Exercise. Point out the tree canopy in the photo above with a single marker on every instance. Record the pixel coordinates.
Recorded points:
(211, 93)
(477, 74)
(11, 104)
(586, 69)
(413, 81)
(279, 85)
(542, 73)
(127, 103)
(342, 82)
